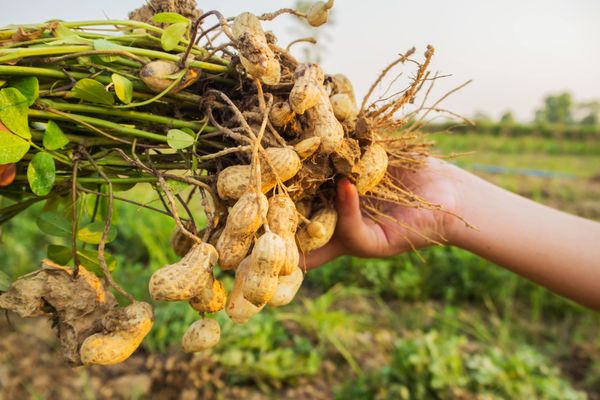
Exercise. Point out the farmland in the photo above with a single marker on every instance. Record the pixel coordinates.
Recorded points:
(439, 324)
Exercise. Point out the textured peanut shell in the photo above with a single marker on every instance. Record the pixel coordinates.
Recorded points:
(155, 74)
(266, 260)
(283, 220)
(327, 217)
(183, 280)
(318, 13)
(245, 217)
(281, 114)
(124, 331)
(308, 86)
(322, 123)
(180, 242)
(234, 181)
(371, 168)
(287, 287)
(201, 335)
(344, 107)
(238, 308)
(256, 56)
(211, 298)
(307, 147)
(341, 84)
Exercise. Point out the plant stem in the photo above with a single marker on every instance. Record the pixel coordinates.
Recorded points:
(90, 179)
(114, 127)
(136, 115)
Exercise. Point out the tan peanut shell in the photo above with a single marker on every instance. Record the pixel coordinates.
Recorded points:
(158, 76)
(344, 107)
(238, 309)
(233, 181)
(281, 114)
(245, 217)
(343, 85)
(318, 13)
(183, 280)
(211, 298)
(201, 335)
(323, 123)
(308, 86)
(266, 260)
(180, 242)
(371, 168)
(287, 287)
(327, 217)
(124, 330)
(283, 220)
(256, 56)
(307, 147)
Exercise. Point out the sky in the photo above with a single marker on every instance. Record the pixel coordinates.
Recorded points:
(515, 51)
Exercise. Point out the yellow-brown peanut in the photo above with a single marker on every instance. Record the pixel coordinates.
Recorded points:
(245, 217)
(287, 287)
(318, 13)
(238, 309)
(201, 335)
(308, 86)
(325, 217)
(281, 114)
(371, 168)
(266, 260)
(307, 147)
(233, 181)
(124, 330)
(183, 280)
(283, 220)
(322, 123)
(256, 56)
(158, 76)
(344, 107)
(211, 298)
(180, 242)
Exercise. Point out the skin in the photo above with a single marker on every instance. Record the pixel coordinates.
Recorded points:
(557, 250)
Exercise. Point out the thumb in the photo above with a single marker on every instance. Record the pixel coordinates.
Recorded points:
(348, 206)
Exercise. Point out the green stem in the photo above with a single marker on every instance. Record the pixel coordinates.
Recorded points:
(114, 127)
(84, 179)
(16, 53)
(79, 139)
(53, 73)
(131, 115)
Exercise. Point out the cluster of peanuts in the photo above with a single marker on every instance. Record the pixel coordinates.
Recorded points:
(265, 229)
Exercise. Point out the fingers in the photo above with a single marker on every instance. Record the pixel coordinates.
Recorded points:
(321, 256)
(348, 204)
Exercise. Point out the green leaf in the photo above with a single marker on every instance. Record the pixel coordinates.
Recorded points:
(178, 139)
(93, 91)
(28, 86)
(54, 223)
(172, 35)
(54, 138)
(13, 111)
(12, 147)
(41, 173)
(59, 254)
(123, 88)
(4, 282)
(67, 36)
(169, 18)
(88, 258)
(92, 233)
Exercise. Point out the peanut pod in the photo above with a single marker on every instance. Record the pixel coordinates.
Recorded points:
(124, 330)
(211, 298)
(238, 308)
(283, 220)
(308, 86)
(201, 335)
(320, 230)
(371, 168)
(183, 280)
(266, 260)
(287, 287)
(245, 217)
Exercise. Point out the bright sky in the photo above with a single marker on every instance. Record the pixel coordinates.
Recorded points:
(516, 51)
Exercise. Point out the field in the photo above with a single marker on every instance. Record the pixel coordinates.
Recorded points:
(439, 324)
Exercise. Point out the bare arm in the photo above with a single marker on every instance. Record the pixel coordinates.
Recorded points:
(554, 249)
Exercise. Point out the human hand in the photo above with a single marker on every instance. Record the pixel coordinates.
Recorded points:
(405, 228)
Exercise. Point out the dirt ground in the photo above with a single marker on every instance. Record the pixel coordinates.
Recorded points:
(31, 367)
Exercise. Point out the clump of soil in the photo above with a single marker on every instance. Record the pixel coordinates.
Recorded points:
(187, 8)
(75, 305)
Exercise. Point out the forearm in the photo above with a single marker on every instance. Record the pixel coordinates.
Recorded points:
(557, 250)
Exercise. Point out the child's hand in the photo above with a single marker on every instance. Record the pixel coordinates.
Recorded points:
(360, 236)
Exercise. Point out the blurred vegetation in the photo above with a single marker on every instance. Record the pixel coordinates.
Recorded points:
(443, 323)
